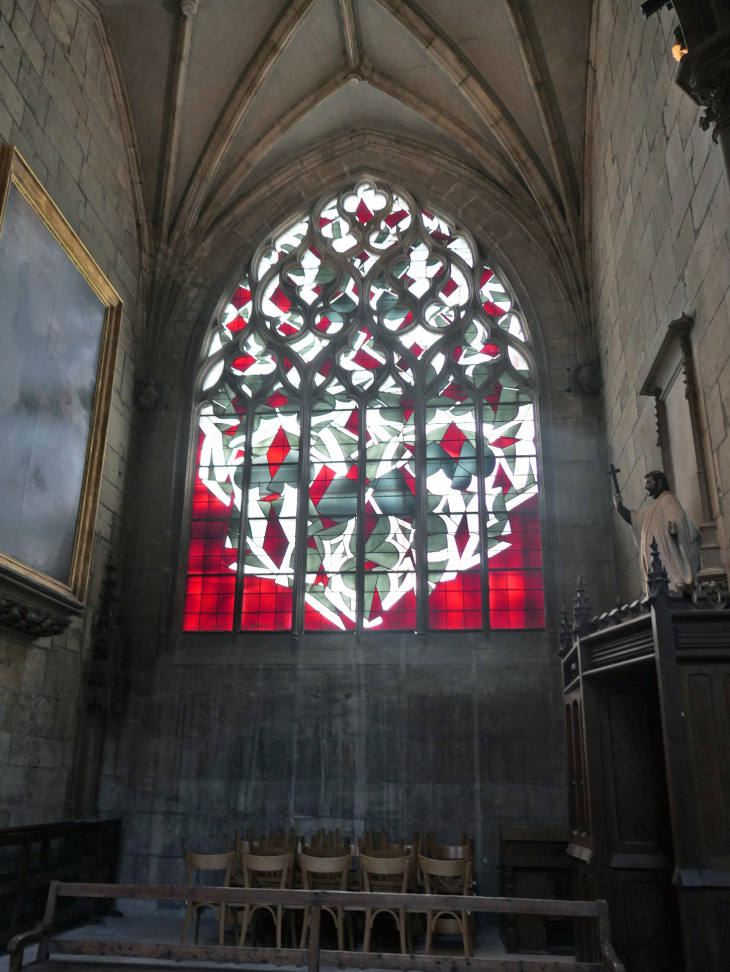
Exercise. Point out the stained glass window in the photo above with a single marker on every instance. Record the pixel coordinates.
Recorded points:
(366, 434)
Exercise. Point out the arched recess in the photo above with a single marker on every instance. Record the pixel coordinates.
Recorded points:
(515, 245)
(366, 450)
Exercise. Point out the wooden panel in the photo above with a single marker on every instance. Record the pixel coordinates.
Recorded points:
(630, 641)
(44, 853)
(721, 921)
(632, 766)
(708, 728)
(650, 918)
(634, 774)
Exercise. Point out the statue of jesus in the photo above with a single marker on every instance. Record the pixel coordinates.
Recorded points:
(665, 521)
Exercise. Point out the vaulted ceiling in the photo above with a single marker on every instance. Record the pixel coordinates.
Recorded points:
(223, 93)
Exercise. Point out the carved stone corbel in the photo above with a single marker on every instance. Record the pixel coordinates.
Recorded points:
(704, 74)
(32, 611)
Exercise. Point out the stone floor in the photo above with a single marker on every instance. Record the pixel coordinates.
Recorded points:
(165, 928)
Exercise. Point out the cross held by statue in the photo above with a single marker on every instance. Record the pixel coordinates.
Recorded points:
(612, 473)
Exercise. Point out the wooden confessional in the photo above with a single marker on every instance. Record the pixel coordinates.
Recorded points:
(647, 717)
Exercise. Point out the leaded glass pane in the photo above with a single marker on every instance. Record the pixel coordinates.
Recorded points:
(513, 523)
(214, 531)
(375, 329)
(272, 511)
(330, 594)
(453, 508)
(390, 512)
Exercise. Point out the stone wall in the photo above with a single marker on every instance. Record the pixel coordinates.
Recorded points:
(453, 732)
(57, 106)
(660, 212)
(464, 734)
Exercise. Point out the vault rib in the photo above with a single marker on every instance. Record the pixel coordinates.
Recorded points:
(394, 89)
(281, 33)
(476, 90)
(348, 25)
(174, 126)
(548, 109)
(447, 124)
(264, 144)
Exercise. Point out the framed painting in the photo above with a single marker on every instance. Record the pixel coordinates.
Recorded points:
(59, 331)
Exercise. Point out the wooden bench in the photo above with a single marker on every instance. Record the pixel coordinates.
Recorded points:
(54, 955)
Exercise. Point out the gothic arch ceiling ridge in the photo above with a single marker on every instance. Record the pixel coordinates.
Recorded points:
(443, 54)
(246, 162)
(279, 35)
(496, 83)
(313, 56)
(479, 93)
(403, 56)
(140, 31)
(376, 108)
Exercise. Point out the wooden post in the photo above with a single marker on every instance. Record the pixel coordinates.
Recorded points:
(48, 916)
(314, 938)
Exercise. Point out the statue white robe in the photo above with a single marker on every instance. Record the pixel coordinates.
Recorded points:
(676, 548)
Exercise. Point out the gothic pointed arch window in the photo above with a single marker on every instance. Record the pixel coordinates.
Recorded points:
(366, 435)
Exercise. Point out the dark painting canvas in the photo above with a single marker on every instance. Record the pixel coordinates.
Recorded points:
(51, 324)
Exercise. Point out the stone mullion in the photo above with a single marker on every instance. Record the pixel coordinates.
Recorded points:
(483, 512)
(360, 540)
(243, 520)
(421, 522)
(300, 544)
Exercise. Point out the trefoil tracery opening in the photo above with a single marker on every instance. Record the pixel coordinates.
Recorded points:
(366, 437)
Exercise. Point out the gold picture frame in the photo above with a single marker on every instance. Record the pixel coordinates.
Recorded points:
(92, 408)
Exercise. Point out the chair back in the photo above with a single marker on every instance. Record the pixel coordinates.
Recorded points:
(267, 870)
(385, 870)
(446, 876)
(328, 873)
(451, 852)
(340, 851)
(209, 862)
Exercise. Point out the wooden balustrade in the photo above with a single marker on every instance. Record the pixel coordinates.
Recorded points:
(311, 957)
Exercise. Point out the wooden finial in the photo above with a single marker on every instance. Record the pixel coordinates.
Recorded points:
(657, 581)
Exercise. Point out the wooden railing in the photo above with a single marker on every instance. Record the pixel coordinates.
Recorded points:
(312, 957)
(32, 857)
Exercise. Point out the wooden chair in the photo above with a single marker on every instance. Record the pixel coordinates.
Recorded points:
(338, 851)
(206, 862)
(449, 852)
(266, 871)
(332, 874)
(448, 877)
(277, 841)
(384, 870)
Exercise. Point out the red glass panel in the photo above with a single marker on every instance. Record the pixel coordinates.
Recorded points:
(516, 598)
(401, 617)
(267, 604)
(456, 604)
(213, 550)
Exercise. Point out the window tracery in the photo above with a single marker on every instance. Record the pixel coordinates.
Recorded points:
(366, 438)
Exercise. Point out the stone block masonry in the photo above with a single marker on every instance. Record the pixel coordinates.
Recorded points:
(56, 106)
(660, 214)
